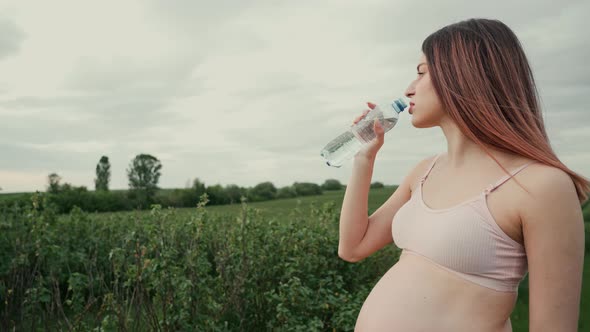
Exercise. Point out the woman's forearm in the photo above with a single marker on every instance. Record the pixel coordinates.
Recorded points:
(354, 213)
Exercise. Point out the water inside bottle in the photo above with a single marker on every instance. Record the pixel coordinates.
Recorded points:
(364, 131)
(340, 149)
(350, 142)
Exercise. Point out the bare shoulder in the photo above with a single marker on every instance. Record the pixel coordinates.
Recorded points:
(418, 171)
(548, 187)
(545, 182)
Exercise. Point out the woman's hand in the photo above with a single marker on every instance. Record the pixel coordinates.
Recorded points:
(370, 149)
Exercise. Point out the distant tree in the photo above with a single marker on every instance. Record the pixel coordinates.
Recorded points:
(217, 195)
(263, 191)
(234, 193)
(66, 187)
(375, 185)
(198, 187)
(286, 192)
(103, 174)
(53, 180)
(332, 184)
(70, 196)
(144, 174)
(190, 196)
(306, 189)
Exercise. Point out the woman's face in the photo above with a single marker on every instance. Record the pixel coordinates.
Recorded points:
(425, 106)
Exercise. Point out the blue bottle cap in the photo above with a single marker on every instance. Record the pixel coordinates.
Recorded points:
(399, 105)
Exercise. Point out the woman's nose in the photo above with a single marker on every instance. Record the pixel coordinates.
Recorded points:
(410, 90)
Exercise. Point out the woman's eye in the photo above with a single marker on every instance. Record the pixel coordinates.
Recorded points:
(419, 73)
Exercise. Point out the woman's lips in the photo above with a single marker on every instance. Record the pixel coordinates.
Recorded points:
(411, 108)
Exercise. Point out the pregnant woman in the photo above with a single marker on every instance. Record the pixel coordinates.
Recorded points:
(474, 220)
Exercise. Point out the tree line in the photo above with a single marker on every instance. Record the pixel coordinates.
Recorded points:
(143, 174)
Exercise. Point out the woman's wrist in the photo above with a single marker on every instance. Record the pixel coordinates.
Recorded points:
(364, 159)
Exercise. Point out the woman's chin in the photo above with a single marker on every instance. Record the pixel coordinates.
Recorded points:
(418, 123)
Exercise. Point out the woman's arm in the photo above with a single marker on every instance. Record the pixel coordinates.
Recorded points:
(553, 229)
(361, 235)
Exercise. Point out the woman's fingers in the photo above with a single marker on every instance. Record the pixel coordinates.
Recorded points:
(360, 117)
(379, 131)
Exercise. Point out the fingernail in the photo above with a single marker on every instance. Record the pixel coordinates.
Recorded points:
(371, 105)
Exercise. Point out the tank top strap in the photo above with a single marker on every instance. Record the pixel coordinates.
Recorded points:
(505, 178)
(429, 168)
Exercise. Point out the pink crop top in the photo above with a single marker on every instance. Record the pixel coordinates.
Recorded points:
(463, 239)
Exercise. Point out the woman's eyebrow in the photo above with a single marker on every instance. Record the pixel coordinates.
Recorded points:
(418, 66)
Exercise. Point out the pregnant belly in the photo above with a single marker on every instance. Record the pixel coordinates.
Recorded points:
(416, 295)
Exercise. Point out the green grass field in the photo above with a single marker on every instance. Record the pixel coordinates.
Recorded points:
(4, 196)
(278, 207)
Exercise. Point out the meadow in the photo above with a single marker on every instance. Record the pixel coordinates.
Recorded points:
(244, 267)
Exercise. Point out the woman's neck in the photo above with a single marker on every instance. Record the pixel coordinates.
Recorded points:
(462, 151)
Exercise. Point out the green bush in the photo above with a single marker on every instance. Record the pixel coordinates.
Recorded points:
(376, 185)
(264, 191)
(169, 271)
(286, 192)
(65, 197)
(10, 201)
(306, 189)
(175, 271)
(332, 184)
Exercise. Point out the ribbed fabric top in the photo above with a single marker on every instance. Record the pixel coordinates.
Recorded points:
(463, 239)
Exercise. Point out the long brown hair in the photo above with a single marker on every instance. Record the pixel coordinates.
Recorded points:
(483, 79)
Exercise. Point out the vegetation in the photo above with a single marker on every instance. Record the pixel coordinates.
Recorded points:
(269, 265)
(103, 174)
(169, 270)
(144, 174)
(332, 184)
(65, 196)
(263, 266)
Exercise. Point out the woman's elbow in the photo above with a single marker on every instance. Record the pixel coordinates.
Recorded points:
(348, 256)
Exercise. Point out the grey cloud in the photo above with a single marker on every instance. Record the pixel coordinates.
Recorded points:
(11, 38)
(25, 158)
(87, 119)
(275, 84)
(560, 121)
(110, 100)
(423, 18)
(196, 18)
(557, 51)
(125, 76)
(30, 158)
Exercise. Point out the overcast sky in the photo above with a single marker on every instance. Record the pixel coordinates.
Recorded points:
(241, 92)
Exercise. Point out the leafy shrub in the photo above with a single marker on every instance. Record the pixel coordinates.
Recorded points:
(307, 189)
(286, 192)
(376, 185)
(168, 271)
(332, 184)
(262, 192)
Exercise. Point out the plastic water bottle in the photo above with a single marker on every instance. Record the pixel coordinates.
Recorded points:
(351, 141)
